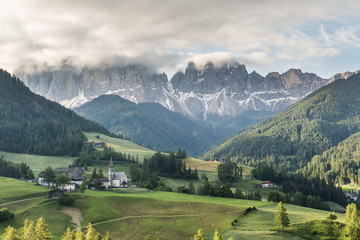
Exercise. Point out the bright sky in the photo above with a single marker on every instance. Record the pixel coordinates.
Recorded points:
(266, 35)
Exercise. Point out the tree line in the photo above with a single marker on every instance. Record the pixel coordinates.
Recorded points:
(39, 231)
(293, 183)
(15, 170)
(89, 156)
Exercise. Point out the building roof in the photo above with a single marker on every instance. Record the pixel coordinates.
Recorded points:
(75, 172)
(56, 172)
(266, 182)
(99, 180)
(120, 176)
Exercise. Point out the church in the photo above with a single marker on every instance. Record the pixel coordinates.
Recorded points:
(115, 179)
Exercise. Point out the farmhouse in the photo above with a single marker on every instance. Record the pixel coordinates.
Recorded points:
(267, 184)
(75, 173)
(97, 144)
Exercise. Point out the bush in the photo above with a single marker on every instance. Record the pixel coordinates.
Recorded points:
(331, 217)
(5, 215)
(66, 200)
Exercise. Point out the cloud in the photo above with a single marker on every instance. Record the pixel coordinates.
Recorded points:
(165, 34)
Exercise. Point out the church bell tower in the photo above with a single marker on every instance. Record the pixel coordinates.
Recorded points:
(111, 171)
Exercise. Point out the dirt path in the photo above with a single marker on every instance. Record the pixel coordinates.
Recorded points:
(22, 200)
(75, 215)
(156, 216)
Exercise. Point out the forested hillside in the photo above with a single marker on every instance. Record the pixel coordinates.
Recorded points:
(32, 124)
(339, 164)
(291, 138)
(148, 124)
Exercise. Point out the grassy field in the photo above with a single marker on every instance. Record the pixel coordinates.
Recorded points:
(122, 146)
(12, 190)
(37, 162)
(258, 224)
(135, 213)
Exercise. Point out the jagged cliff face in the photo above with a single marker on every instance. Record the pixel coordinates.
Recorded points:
(198, 92)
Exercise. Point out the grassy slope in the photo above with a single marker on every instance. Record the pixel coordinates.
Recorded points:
(122, 146)
(164, 215)
(37, 162)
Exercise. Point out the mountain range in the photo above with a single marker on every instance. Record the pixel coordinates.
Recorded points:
(198, 92)
(292, 138)
(149, 124)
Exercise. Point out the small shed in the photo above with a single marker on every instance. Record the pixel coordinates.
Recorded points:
(56, 193)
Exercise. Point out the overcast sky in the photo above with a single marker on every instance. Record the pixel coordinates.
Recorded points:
(316, 36)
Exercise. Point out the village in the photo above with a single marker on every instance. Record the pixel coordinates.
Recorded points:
(76, 178)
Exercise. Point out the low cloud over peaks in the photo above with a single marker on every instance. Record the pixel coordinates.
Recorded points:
(166, 34)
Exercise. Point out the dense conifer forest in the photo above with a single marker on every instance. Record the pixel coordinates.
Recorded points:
(32, 124)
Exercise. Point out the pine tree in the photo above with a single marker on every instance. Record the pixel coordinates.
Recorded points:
(281, 218)
(41, 231)
(199, 235)
(94, 174)
(217, 236)
(9, 234)
(107, 237)
(79, 235)
(83, 188)
(28, 230)
(352, 222)
(100, 173)
(90, 233)
(68, 235)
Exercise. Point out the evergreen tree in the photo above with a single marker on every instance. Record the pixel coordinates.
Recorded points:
(28, 230)
(100, 173)
(41, 231)
(9, 234)
(90, 233)
(281, 218)
(79, 235)
(68, 235)
(199, 235)
(352, 222)
(217, 236)
(94, 174)
(107, 237)
(83, 187)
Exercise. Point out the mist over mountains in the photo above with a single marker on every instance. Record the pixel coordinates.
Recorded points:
(198, 92)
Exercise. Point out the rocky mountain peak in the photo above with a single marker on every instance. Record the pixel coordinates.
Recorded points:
(225, 89)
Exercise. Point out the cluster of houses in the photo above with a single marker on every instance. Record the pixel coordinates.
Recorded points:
(115, 179)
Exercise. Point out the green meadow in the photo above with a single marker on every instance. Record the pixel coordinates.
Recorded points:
(121, 145)
(163, 215)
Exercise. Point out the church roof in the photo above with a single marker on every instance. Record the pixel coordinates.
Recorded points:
(119, 176)
(111, 165)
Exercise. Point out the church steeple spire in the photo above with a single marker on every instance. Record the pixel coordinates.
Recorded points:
(111, 171)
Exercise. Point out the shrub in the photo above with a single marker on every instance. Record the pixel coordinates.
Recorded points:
(66, 200)
(5, 215)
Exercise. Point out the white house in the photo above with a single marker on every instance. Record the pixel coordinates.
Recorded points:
(75, 173)
(267, 184)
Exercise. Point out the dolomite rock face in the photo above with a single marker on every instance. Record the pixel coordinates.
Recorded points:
(225, 90)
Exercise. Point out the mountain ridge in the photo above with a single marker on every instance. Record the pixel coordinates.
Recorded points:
(224, 90)
(291, 138)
